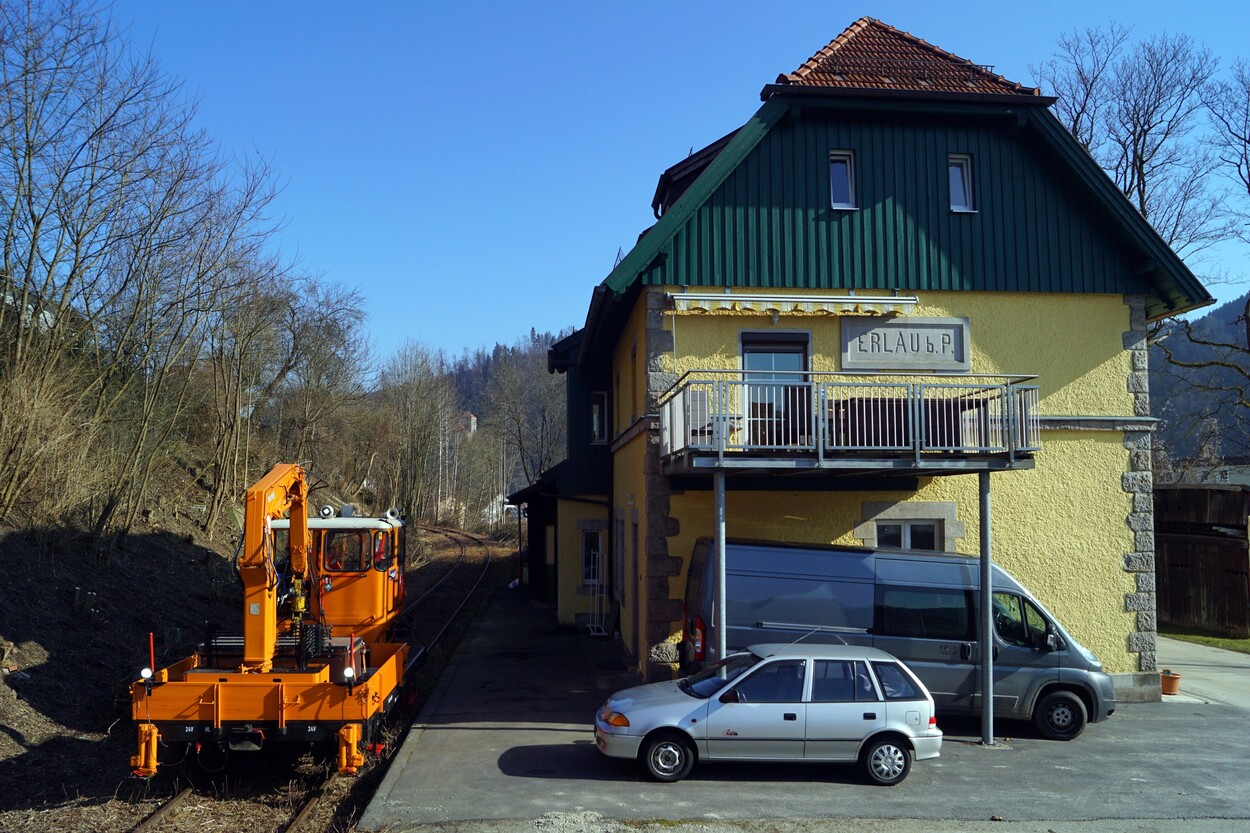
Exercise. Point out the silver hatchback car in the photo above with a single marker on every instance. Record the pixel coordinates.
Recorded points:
(821, 703)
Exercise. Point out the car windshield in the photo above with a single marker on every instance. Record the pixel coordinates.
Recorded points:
(713, 678)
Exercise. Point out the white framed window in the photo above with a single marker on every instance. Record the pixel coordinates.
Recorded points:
(960, 167)
(777, 401)
(842, 179)
(908, 535)
(599, 416)
(940, 516)
(592, 557)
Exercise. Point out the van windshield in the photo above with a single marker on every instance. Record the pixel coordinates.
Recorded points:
(713, 678)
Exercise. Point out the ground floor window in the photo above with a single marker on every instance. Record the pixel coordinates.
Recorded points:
(908, 535)
(592, 557)
(924, 525)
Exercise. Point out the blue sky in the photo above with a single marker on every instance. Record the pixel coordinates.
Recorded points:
(472, 168)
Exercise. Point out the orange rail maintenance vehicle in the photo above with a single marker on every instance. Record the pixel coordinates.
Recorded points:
(316, 661)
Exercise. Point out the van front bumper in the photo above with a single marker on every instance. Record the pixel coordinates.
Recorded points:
(1104, 697)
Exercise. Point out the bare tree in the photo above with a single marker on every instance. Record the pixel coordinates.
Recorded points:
(248, 352)
(120, 230)
(1142, 110)
(1228, 102)
(422, 411)
(528, 405)
(1137, 107)
(332, 361)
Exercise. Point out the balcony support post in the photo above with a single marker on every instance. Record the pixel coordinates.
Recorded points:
(718, 479)
(987, 616)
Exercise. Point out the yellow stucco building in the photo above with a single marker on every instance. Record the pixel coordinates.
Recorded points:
(895, 280)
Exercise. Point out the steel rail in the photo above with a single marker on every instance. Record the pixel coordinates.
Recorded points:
(161, 812)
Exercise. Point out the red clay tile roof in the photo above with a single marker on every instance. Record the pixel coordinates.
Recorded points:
(871, 55)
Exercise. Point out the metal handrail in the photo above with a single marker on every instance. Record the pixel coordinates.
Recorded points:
(827, 413)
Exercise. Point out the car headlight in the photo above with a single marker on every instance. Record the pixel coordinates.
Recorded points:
(612, 718)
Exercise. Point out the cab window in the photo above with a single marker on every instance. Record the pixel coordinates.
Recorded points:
(281, 549)
(346, 551)
(383, 557)
(1018, 621)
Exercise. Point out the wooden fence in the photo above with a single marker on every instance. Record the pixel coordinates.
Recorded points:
(1202, 568)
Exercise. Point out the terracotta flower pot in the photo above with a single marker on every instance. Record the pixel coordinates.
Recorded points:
(1171, 682)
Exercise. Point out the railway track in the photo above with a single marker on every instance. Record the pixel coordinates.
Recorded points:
(427, 598)
(461, 566)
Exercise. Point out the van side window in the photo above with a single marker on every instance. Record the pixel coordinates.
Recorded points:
(897, 683)
(924, 613)
(794, 601)
(1018, 621)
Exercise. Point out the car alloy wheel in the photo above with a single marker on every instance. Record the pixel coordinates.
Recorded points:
(887, 762)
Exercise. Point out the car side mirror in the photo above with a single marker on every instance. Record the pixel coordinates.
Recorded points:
(1052, 642)
(730, 696)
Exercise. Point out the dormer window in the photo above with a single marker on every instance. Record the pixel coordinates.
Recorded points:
(842, 179)
(960, 167)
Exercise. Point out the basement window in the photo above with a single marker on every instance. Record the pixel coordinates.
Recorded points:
(841, 179)
(960, 167)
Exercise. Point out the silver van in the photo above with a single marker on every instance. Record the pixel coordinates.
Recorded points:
(920, 607)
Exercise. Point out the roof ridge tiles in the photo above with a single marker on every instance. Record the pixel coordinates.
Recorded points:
(871, 54)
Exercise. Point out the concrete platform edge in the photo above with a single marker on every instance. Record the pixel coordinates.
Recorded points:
(370, 820)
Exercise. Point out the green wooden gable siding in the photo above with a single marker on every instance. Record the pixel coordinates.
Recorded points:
(769, 223)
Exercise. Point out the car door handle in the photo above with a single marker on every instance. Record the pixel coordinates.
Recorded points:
(965, 651)
(790, 716)
(870, 715)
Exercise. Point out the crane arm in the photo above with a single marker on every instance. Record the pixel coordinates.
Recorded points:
(284, 490)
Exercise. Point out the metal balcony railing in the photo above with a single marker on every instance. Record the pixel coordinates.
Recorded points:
(832, 414)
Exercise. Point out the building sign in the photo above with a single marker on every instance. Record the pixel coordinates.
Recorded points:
(927, 344)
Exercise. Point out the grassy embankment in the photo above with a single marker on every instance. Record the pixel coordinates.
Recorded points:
(1205, 638)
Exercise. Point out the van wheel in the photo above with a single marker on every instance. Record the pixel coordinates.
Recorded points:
(886, 762)
(668, 757)
(1060, 716)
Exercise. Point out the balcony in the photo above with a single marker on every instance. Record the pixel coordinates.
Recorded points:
(847, 421)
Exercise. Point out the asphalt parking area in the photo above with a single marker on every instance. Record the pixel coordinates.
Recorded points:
(509, 737)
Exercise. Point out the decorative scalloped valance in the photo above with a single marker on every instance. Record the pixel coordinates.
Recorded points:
(714, 302)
